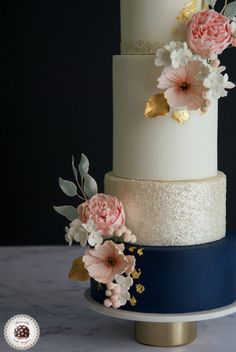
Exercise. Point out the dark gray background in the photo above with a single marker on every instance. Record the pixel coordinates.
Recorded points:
(58, 102)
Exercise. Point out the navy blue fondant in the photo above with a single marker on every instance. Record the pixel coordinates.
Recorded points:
(182, 279)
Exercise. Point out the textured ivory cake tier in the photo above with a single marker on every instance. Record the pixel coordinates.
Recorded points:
(149, 22)
(159, 148)
(172, 213)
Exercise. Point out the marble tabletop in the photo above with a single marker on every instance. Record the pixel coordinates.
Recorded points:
(34, 282)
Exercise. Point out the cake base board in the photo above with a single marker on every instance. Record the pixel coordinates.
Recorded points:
(162, 330)
(159, 318)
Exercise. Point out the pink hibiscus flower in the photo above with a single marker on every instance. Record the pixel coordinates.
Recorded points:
(183, 86)
(106, 261)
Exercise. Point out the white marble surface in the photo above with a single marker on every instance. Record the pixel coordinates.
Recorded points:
(34, 281)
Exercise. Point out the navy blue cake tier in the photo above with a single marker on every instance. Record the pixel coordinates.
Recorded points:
(180, 279)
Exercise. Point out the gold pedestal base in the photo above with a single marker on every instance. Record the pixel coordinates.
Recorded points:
(165, 334)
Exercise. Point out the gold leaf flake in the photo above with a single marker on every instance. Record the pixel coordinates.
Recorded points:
(78, 271)
(156, 105)
(181, 116)
(140, 288)
(136, 274)
(132, 249)
(140, 251)
(187, 12)
(174, 30)
(133, 301)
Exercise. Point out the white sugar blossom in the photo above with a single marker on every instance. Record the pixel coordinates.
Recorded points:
(118, 293)
(181, 56)
(174, 54)
(89, 226)
(163, 54)
(95, 238)
(162, 57)
(173, 46)
(124, 283)
(217, 83)
(77, 233)
(204, 71)
(233, 26)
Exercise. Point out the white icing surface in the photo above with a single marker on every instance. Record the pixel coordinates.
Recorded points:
(172, 213)
(152, 20)
(159, 148)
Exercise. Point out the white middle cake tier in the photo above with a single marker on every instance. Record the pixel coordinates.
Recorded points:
(159, 148)
(172, 213)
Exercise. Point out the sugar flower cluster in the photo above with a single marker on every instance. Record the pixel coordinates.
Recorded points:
(99, 221)
(192, 75)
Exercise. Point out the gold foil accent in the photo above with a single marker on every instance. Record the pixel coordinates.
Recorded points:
(78, 271)
(187, 12)
(156, 105)
(140, 251)
(165, 334)
(133, 301)
(136, 274)
(174, 31)
(140, 288)
(132, 249)
(181, 116)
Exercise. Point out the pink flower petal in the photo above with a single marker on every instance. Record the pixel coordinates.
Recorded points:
(101, 273)
(131, 262)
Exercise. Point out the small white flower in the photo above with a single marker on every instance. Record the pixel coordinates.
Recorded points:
(77, 233)
(233, 28)
(180, 56)
(124, 282)
(218, 83)
(162, 57)
(81, 237)
(118, 293)
(95, 238)
(204, 71)
(173, 46)
(89, 226)
(68, 236)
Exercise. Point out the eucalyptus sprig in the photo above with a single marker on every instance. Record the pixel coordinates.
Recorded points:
(83, 189)
(228, 10)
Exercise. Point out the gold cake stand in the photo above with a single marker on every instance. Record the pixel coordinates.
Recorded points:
(162, 330)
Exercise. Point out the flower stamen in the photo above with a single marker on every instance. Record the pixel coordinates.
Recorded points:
(111, 262)
(184, 86)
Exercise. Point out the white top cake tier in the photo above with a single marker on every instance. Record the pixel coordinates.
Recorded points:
(147, 23)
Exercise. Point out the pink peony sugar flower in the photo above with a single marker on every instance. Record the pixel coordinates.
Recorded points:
(106, 261)
(208, 33)
(106, 212)
(183, 87)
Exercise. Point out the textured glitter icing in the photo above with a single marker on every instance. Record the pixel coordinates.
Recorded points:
(172, 213)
